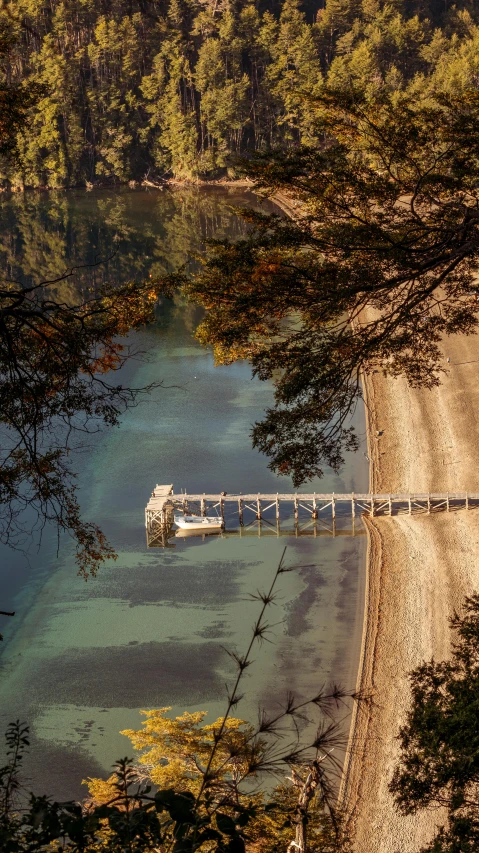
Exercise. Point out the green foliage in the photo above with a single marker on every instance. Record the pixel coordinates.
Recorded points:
(135, 87)
(138, 819)
(439, 763)
(15, 100)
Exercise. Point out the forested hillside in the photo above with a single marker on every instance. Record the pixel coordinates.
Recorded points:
(180, 87)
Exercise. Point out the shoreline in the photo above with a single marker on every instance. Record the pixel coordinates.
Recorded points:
(355, 750)
(236, 183)
(419, 569)
(282, 201)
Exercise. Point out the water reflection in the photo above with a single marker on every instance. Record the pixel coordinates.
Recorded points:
(80, 659)
(124, 234)
(167, 536)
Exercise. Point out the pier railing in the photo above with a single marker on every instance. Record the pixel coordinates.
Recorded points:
(247, 507)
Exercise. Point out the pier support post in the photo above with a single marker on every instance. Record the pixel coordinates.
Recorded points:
(160, 511)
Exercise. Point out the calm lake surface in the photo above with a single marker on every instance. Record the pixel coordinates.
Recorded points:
(80, 659)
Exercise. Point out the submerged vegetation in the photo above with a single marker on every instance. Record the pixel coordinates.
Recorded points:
(129, 88)
(200, 786)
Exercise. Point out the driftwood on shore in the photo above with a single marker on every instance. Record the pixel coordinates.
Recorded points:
(154, 184)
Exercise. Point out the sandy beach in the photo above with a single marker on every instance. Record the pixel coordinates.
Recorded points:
(420, 568)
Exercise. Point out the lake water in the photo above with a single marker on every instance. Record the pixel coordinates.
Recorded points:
(81, 658)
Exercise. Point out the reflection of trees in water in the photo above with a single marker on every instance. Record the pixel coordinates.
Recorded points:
(176, 316)
(134, 233)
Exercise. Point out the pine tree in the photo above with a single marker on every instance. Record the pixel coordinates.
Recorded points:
(135, 88)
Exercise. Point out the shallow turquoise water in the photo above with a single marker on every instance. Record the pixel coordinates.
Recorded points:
(80, 659)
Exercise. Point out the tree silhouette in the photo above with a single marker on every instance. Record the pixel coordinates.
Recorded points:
(377, 265)
(439, 764)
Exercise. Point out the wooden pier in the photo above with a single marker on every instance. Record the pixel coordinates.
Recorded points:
(328, 508)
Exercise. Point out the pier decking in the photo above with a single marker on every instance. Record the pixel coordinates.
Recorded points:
(300, 506)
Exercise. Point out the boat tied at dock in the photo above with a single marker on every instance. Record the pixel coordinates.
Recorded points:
(199, 523)
(168, 513)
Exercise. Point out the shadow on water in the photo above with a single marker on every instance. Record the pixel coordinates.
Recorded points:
(80, 658)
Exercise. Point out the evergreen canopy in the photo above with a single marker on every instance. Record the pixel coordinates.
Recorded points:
(182, 87)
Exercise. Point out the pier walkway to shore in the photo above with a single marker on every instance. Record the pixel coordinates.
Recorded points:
(313, 507)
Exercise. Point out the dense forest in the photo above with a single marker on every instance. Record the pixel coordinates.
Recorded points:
(135, 88)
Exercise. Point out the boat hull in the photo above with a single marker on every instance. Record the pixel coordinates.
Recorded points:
(198, 523)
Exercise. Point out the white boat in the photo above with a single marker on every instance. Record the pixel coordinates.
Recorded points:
(199, 523)
(198, 534)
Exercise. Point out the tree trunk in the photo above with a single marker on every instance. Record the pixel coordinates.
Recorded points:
(307, 790)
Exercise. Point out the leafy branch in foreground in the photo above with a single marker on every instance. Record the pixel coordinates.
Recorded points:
(439, 763)
(379, 265)
(200, 787)
(55, 357)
